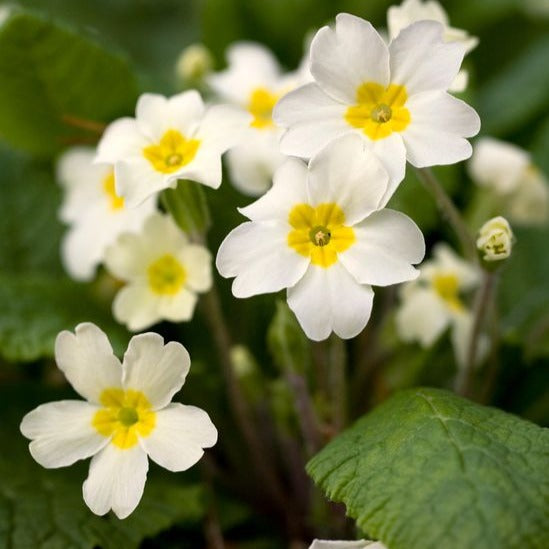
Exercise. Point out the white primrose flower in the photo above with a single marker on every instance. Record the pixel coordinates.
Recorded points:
(254, 82)
(333, 544)
(393, 96)
(322, 233)
(163, 271)
(127, 417)
(434, 302)
(170, 139)
(495, 239)
(95, 213)
(509, 172)
(411, 11)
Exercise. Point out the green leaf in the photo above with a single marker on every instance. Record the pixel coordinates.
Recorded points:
(428, 469)
(188, 206)
(49, 73)
(36, 308)
(517, 94)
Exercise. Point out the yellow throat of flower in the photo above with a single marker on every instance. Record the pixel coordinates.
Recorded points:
(260, 106)
(166, 275)
(116, 202)
(319, 233)
(446, 285)
(379, 111)
(125, 416)
(172, 152)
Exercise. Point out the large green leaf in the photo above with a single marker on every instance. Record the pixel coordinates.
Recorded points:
(49, 73)
(36, 308)
(428, 469)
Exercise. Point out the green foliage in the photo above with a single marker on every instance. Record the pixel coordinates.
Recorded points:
(188, 206)
(36, 308)
(427, 469)
(287, 342)
(49, 73)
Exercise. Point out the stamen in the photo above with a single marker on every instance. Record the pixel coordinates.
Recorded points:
(381, 113)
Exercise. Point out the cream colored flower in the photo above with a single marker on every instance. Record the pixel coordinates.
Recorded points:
(411, 11)
(194, 63)
(163, 272)
(95, 213)
(495, 239)
(523, 190)
(127, 416)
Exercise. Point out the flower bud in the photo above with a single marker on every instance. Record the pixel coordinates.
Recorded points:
(194, 62)
(495, 239)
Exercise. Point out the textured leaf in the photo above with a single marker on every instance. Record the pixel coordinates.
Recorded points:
(36, 308)
(428, 469)
(49, 73)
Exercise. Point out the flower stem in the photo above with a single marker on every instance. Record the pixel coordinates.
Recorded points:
(449, 211)
(84, 124)
(218, 329)
(338, 381)
(482, 305)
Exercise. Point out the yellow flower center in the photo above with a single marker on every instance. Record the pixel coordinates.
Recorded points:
(446, 285)
(379, 111)
(116, 202)
(125, 416)
(166, 275)
(319, 233)
(260, 106)
(172, 152)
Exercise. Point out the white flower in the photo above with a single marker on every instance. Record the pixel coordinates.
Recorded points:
(95, 213)
(393, 96)
(359, 544)
(322, 233)
(495, 239)
(508, 171)
(127, 417)
(435, 301)
(170, 139)
(254, 81)
(163, 271)
(411, 11)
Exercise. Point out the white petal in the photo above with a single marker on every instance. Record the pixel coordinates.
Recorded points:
(136, 306)
(250, 66)
(289, 188)
(136, 180)
(422, 61)
(387, 244)
(347, 173)
(185, 112)
(121, 140)
(344, 58)
(437, 130)
(252, 165)
(179, 436)
(177, 308)
(327, 300)
(128, 258)
(258, 255)
(223, 127)
(422, 317)
(161, 234)
(197, 262)
(205, 167)
(87, 360)
(447, 261)
(392, 154)
(156, 369)
(62, 433)
(116, 480)
(81, 252)
(497, 164)
(313, 120)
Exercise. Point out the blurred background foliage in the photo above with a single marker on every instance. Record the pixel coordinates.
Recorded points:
(134, 47)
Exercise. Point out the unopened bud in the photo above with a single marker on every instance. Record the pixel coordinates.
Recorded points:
(495, 239)
(194, 62)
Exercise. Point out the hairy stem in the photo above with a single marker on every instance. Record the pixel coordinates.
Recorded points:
(483, 301)
(84, 124)
(338, 382)
(449, 211)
